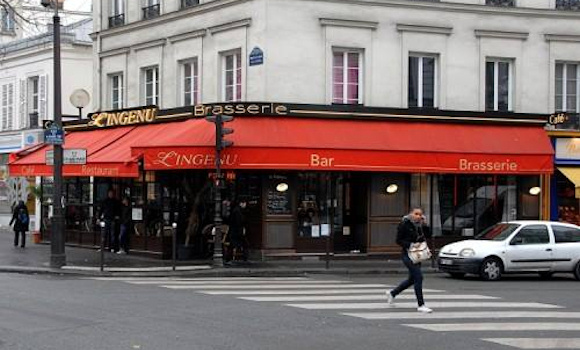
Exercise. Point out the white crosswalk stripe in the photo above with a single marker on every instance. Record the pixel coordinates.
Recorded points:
(367, 301)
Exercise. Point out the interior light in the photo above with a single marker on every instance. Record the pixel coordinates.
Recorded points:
(392, 188)
(534, 191)
(282, 187)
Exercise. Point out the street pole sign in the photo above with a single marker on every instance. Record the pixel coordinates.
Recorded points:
(70, 156)
(53, 135)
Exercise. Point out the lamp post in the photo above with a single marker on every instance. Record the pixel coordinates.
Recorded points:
(57, 239)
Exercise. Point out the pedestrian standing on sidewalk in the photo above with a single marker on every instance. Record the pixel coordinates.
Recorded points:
(412, 230)
(125, 226)
(110, 213)
(237, 231)
(21, 221)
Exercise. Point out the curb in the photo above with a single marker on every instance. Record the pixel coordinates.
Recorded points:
(210, 272)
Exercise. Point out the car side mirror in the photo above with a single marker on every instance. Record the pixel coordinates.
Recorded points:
(517, 240)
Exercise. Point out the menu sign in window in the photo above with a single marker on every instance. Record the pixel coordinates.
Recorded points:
(279, 196)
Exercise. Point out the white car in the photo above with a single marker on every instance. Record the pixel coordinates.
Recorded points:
(542, 247)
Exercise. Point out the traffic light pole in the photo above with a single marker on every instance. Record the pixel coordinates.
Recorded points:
(217, 248)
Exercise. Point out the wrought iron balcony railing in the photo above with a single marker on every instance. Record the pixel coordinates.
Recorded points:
(569, 5)
(151, 11)
(116, 21)
(189, 3)
(502, 3)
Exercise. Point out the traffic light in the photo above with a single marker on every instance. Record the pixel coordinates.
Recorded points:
(220, 131)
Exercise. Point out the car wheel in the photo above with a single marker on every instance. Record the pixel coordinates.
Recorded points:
(491, 269)
(546, 275)
(457, 275)
(577, 271)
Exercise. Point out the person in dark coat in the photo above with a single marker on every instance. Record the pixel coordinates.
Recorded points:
(412, 230)
(237, 234)
(21, 221)
(126, 222)
(110, 213)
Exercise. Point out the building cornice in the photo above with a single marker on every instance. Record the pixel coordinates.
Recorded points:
(246, 22)
(574, 38)
(415, 28)
(168, 17)
(331, 22)
(115, 52)
(148, 44)
(186, 36)
(484, 33)
(465, 8)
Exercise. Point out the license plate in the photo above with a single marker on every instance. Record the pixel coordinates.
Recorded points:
(446, 262)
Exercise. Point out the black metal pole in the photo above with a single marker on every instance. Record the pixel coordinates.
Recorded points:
(103, 230)
(57, 240)
(174, 247)
(80, 112)
(217, 248)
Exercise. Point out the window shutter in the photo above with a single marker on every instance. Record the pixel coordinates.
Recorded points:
(3, 108)
(10, 106)
(22, 105)
(42, 98)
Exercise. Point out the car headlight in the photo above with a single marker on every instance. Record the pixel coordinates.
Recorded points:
(466, 253)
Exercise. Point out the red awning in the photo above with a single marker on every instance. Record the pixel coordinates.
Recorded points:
(104, 157)
(351, 145)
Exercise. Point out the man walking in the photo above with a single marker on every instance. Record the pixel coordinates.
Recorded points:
(21, 221)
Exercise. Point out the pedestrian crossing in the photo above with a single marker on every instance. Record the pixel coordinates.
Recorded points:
(459, 312)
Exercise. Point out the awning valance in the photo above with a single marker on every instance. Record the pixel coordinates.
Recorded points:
(352, 145)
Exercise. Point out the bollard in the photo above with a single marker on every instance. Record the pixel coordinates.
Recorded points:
(103, 224)
(174, 249)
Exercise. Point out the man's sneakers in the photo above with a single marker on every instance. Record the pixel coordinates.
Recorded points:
(390, 298)
(424, 309)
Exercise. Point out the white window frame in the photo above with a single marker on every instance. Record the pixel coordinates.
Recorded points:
(120, 90)
(195, 82)
(33, 97)
(496, 62)
(235, 69)
(156, 97)
(345, 53)
(565, 65)
(421, 56)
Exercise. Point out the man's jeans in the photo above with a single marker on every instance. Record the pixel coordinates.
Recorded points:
(415, 278)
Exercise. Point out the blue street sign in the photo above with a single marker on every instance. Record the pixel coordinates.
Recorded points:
(256, 56)
(54, 136)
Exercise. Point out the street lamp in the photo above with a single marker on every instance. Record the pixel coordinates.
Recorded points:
(80, 99)
(57, 253)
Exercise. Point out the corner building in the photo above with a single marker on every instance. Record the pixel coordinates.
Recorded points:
(365, 110)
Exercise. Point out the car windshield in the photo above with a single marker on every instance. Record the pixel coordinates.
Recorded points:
(498, 232)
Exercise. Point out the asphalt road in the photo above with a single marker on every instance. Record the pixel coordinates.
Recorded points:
(317, 312)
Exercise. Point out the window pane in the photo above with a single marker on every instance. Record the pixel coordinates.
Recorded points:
(238, 92)
(337, 75)
(428, 81)
(352, 92)
(413, 81)
(187, 70)
(533, 234)
(352, 60)
(229, 62)
(564, 234)
(239, 76)
(559, 70)
(337, 93)
(353, 76)
(229, 93)
(489, 86)
(230, 78)
(503, 87)
(337, 61)
(238, 60)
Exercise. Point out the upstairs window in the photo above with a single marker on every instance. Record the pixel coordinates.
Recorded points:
(422, 81)
(151, 9)
(347, 77)
(567, 87)
(151, 86)
(117, 16)
(498, 85)
(190, 82)
(232, 76)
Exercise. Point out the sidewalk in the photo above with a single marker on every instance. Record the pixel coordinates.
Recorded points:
(35, 258)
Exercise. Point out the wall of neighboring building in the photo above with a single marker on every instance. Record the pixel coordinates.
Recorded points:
(297, 38)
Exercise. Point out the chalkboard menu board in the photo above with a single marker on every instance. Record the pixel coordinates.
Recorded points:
(278, 202)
